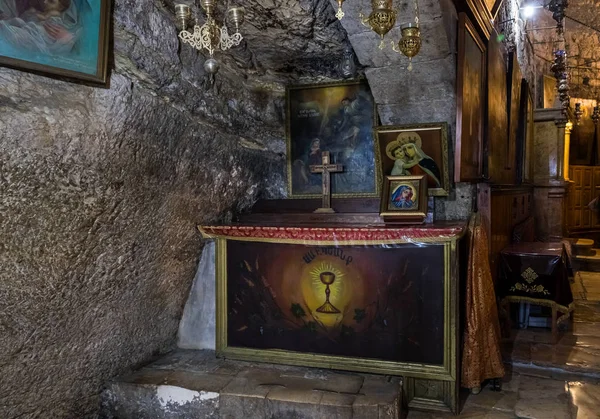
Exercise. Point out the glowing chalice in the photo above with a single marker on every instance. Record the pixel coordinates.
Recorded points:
(327, 278)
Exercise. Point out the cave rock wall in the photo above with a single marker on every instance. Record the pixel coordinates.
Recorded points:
(100, 193)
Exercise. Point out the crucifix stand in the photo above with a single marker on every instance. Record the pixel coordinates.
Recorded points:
(326, 169)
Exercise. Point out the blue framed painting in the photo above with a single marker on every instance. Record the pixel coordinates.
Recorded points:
(66, 38)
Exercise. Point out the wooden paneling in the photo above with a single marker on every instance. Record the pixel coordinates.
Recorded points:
(503, 209)
(585, 187)
(497, 138)
(471, 84)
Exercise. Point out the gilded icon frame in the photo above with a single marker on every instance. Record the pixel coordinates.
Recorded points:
(384, 135)
(395, 215)
(291, 144)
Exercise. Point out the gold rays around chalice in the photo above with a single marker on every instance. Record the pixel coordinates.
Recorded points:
(327, 275)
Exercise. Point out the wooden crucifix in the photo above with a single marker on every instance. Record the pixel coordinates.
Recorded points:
(326, 169)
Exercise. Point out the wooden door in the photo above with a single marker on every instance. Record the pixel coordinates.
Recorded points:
(582, 191)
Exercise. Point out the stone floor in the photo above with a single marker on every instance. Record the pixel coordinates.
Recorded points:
(545, 380)
(577, 352)
(526, 396)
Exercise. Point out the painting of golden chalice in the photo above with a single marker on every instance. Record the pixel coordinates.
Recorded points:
(327, 278)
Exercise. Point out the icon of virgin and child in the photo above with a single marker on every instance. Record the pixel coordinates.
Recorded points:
(409, 159)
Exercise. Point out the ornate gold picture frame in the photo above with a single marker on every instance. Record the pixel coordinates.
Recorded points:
(334, 117)
(404, 199)
(411, 150)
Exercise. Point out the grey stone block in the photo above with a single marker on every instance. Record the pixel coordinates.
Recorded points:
(180, 385)
(197, 325)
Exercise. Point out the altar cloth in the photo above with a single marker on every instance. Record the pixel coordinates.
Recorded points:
(332, 235)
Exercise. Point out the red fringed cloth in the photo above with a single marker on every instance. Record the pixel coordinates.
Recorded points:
(481, 359)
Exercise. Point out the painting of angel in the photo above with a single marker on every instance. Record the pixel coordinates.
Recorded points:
(338, 118)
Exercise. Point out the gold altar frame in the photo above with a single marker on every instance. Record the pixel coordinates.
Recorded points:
(445, 372)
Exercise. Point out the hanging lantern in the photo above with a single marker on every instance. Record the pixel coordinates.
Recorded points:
(410, 43)
(596, 114)
(381, 19)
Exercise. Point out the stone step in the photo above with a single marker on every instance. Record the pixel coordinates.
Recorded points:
(582, 246)
(587, 262)
(195, 384)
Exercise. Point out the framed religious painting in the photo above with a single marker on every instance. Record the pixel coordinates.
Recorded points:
(337, 118)
(548, 92)
(525, 136)
(404, 199)
(471, 84)
(583, 135)
(67, 38)
(412, 150)
(496, 147)
(514, 81)
(529, 135)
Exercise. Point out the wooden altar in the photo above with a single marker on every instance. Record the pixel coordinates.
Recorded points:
(356, 296)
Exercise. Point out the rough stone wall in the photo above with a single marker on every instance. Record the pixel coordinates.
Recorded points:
(100, 192)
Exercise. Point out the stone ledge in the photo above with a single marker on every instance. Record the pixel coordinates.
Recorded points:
(189, 383)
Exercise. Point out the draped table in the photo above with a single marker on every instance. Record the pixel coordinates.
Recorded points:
(536, 273)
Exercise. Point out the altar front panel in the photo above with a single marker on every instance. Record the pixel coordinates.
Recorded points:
(382, 303)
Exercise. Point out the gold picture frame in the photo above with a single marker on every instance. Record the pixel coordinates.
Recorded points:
(447, 371)
(319, 112)
(428, 142)
(404, 199)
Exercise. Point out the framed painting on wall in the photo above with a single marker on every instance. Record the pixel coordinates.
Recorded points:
(583, 135)
(497, 117)
(67, 38)
(548, 92)
(412, 150)
(514, 102)
(525, 136)
(470, 100)
(338, 118)
(529, 135)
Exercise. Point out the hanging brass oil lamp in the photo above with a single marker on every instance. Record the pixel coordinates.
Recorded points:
(381, 19)
(410, 42)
